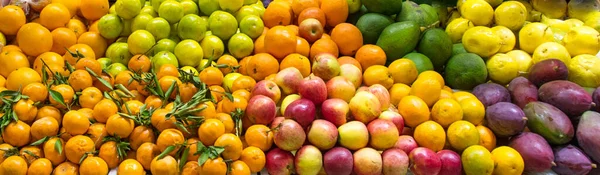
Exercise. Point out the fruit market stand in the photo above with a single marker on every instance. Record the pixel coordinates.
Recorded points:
(307, 87)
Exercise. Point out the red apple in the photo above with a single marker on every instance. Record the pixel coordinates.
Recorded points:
(383, 95)
(276, 122)
(309, 160)
(303, 111)
(288, 80)
(368, 161)
(365, 107)
(287, 100)
(314, 89)
(279, 162)
(325, 66)
(384, 134)
(352, 73)
(424, 161)
(340, 87)
(338, 161)
(395, 161)
(335, 111)
(322, 134)
(261, 110)
(395, 117)
(310, 29)
(406, 143)
(451, 163)
(267, 88)
(289, 135)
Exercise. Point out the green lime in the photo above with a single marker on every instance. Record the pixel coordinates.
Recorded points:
(171, 10)
(245, 11)
(213, 47)
(240, 45)
(189, 7)
(207, 7)
(159, 28)
(128, 9)
(371, 25)
(252, 26)
(192, 27)
(189, 53)
(231, 6)
(222, 24)
(164, 45)
(162, 58)
(141, 21)
(140, 42)
(465, 71)
(115, 68)
(422, 62)
(110, 26)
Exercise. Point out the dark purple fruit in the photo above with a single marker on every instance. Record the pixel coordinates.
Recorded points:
(596, 99)
(587, 134)
(536, 152)
(549, 122)
(505, 119)
(547, 71)
(522, 91)
(491, 93)
(566, 96)
(571, 160)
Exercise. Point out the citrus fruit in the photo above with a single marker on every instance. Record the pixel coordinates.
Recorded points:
(189, 53)
(511, 14)
(252, 26)
(582, 40)
(551, 50)
(446, 112)
(582, 70)
(502, 68)
(534, 34)
(110, 26)
(240, 45)
(507, 161)
(507, 38)
(213, 47)
(430, 135)
(11, 19)
(457, 27)
(140, 42)
(193, 27)
(462, 134)
(482, 41)
(414, 110)
(522, 58)
(479, 12)
(159, 28)
(403, 71)
(171, 11)
(222, 24)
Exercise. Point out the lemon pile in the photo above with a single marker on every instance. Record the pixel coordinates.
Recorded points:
(514, 35)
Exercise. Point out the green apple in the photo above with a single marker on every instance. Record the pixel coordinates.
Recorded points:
(189, 53)
(164, 45)
(140, 21)
(207, 7)
(110, 26)
(149, 10)
(128, 9)
(192, 27)
(231, 6)
(245, 11)
(240, 45)
(189, 7)
(118, 53)
(140, 42)
(222, 24)
(104, 62)
(171, 10)
(159, 28)
(162, 58)
(115, 68)
(354, 6)
(212, 46)
(252, 26)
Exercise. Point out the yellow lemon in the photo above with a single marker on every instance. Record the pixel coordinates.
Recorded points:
(432, 75)
(487, 138)
(403, 71)
(507, 38)
(456, 29)
(551, 50)
(414, 110)
(585, 70)
(502, 68)
(511, 14)
(446, 111)
(482, 41)
(479, 12)
(507, 161)
(522, 58)
(430, 135)
(397, 92)
(551, 8)
(427, 89)
(462, 95)
(574, 22)
(473, 110)
(534, 34)
(582, 40)
(462, 134)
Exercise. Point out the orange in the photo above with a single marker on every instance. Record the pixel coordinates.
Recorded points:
(159, 121)
(349, 39)
(473, 110)
(55, 15)
(414, 110)
(403, 70)
(254, 158)
(300, 5)
(93, 165)
(116, 125)
(49, 111)
(94, 26)
(210, 130)
(95, 41)
(211, 76)
(312, 12)
(25, 110)
(90, 63)
(262, 65)
(12, 60)
(259, 136)
(141, 134)
(336, 11)
(217, 92)
(349, 60)
(302, 47)
(378, 74)
(192, 145)
(191, 168)
(245, 94)
(2, 81)
(108, 151)
(430, 135)
(369, 55)
(169, 137)
(293, 28)
(4, 146)
(94, 9)
(50, 58)
(228, 60)
(63, 38)
(14, 165)
(239, 168)
(44, 127)
(427, 89)
(131, 166)
(104, 109)
(271, 77)
(227, 122)
(75, 123)
(278, 13)
(243, 82)
(300, 62)
(87, 112)
(445, 94)
(145, 153)
(40, 166)
(232, 144)
(186, 91)
(167, 70)
(446, 112)
(124, 77)
(462, 95)
(21, 77)
(259, 44)
(77, 26)
(15, 133)
(432, 75)
(77, 146)
(167, 166)
(97, 132)
(31, 153)
(324, 45)
(71, 5)
(80, 79)
(487, 138)
(51, 153)
(34, 39)
(11, 19)
(214, 167)
(10, 48)
(244, 64)
(66, 168)
(280, 41)
(167, 81)
(84, 49)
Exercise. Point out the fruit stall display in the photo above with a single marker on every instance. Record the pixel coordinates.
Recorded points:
(304, 87)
